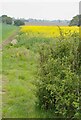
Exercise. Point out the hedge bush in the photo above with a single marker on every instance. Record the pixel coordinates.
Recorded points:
(58, 78)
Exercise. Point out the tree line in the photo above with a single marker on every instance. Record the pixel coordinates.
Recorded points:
(8, 20)
(76, 20)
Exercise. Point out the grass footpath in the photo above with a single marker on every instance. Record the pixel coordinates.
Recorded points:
(6, 31)
(19, 74)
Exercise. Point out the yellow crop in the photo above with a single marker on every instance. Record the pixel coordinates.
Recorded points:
(49, 31)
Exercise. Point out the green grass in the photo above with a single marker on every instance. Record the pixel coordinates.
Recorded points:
(6, 31)
(19, 88)
(20, 74)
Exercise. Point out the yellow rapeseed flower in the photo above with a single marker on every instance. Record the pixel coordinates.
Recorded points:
(49, 31)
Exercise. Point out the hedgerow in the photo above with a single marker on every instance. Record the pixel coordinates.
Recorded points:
(58, 77)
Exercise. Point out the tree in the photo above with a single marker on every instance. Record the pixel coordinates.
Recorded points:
(76, 21)
(19, 22)
(3, 17)
(6, 19)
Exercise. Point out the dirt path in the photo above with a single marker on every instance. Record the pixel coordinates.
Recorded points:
(8, 40)
(4, 43)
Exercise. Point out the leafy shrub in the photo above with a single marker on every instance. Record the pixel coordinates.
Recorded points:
(58, 79)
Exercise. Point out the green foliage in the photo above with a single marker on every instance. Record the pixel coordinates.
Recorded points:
(58, 79)
(9, 20)
(55, 90)
(76, 21)
(6, 19)
(19, 22)
(31, 42)
(6, 31)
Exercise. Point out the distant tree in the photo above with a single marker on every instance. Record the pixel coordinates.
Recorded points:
(19, 22)
(76, 21)
(3, 17)
(6, 19)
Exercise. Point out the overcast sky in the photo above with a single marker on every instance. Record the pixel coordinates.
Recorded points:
(43, 9)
